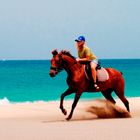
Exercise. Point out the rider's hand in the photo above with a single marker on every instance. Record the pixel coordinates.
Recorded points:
(77, 59)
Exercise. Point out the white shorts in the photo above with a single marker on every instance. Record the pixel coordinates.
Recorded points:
(95, 61)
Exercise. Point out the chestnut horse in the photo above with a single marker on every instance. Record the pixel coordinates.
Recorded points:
(79, 83)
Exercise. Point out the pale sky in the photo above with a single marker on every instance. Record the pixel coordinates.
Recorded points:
(31, 29)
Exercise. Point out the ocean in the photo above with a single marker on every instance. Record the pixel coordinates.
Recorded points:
(29, 80)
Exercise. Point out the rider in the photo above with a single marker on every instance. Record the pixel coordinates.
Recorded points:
(85, 54)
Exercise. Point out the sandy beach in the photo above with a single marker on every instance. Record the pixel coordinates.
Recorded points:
(44, 121)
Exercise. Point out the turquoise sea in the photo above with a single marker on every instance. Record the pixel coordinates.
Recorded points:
(29, 80)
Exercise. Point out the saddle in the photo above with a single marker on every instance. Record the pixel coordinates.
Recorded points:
(102, 74)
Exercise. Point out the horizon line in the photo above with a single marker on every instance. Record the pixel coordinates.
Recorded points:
(50, 59)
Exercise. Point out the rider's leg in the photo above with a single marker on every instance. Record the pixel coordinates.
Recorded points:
(93, 71)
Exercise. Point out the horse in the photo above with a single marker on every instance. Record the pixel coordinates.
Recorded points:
(78, 82)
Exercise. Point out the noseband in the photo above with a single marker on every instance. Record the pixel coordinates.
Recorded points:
(57, 69)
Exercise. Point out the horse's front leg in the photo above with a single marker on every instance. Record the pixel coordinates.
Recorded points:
(77, 97)
(67, 92)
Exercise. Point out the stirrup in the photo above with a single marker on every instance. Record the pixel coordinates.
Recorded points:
(96, 86)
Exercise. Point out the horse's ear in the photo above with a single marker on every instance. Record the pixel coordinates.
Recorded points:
(54, 52)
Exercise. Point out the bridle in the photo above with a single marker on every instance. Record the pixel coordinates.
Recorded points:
(60, 68)
(57, 69)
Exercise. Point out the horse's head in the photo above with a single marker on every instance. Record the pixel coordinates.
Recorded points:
(56, 63)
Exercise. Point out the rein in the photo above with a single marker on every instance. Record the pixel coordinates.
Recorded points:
(56, 69)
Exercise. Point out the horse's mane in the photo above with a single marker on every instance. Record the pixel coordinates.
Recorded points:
(65, 52)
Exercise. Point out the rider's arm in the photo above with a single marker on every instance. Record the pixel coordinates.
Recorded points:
(87, 58)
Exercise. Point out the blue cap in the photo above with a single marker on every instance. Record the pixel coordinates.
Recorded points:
(80, 38)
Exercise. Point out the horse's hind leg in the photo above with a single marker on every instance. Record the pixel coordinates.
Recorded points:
(107, 95)
(119, 90)
(123, 99)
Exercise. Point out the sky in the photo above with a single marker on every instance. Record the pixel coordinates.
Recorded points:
(31, 29)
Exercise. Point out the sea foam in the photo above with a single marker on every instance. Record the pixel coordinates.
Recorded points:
(4, 101)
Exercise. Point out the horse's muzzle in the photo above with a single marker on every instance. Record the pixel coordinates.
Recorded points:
(52, 73)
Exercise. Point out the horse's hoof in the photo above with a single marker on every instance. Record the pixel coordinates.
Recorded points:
(68, 119)
(65, 112)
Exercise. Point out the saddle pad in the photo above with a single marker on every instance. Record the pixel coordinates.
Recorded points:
(102, 75)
